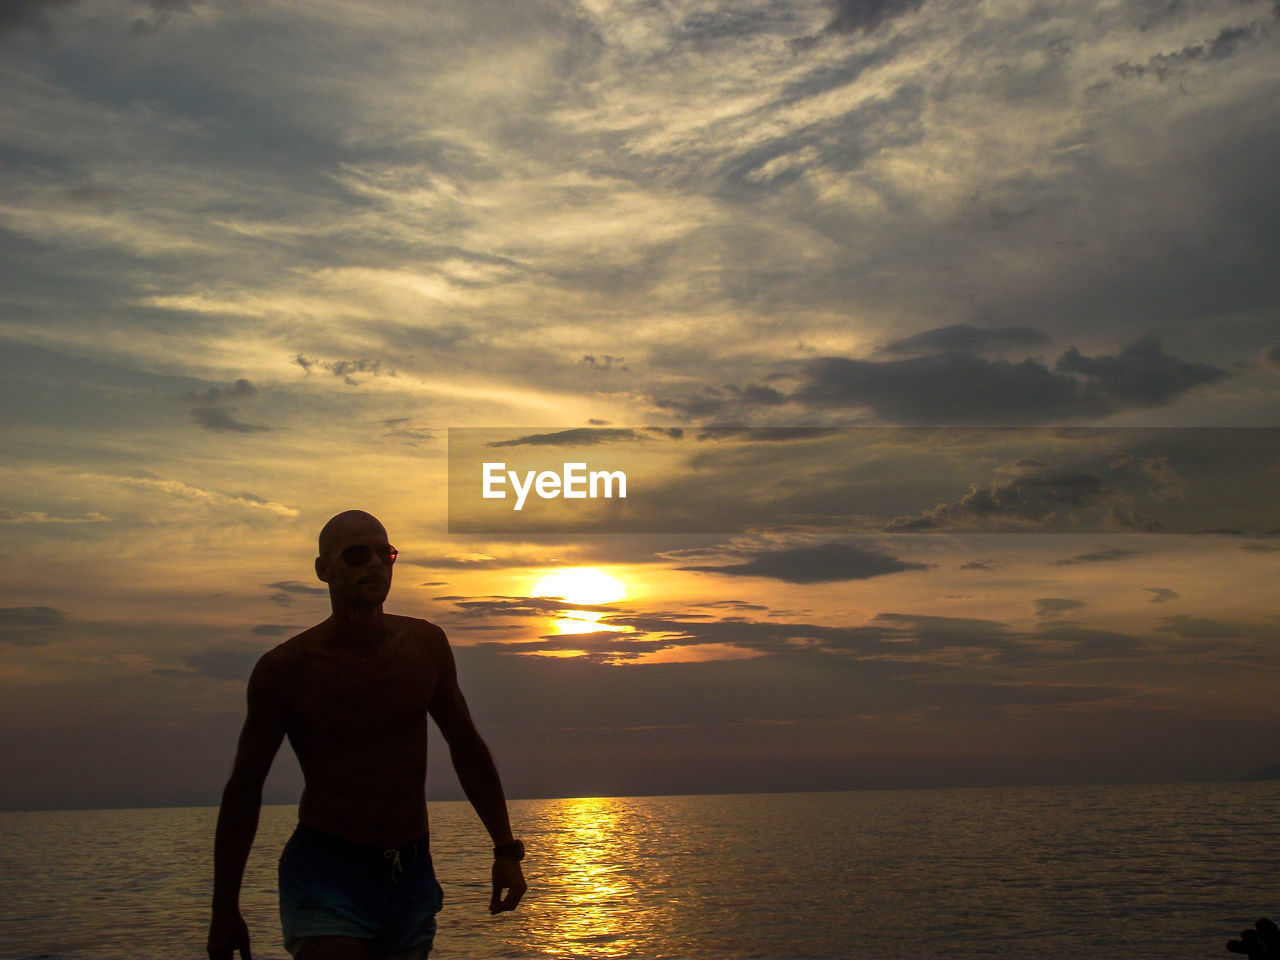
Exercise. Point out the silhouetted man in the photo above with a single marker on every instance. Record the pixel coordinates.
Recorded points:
(353, 694)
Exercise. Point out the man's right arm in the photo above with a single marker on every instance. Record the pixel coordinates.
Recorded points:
(264, 728)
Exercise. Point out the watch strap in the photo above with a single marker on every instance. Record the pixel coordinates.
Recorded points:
(512, 850)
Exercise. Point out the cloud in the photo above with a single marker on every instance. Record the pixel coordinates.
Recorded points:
(1092, 643)
(864, 16)
(287, 591)
(1024, 501)
(949, 384)
(1052, 606)
(1225, 44)
(242, 389)
(213, 412)
(217, 418)
(577, 437)
(30, 626)
(39, 516)
(223, 663)
(185, 491)
(816, 563)
(161, 12)
(402, 429)
(966, 338)
(1162, 594)
(1100, 555)
(604, 362)
(1208, 628)
(1141, 374)
(344, 368)
(486, 607)
(272, 629)
(19, 14)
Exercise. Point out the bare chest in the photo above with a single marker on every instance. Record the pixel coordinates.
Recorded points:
(354, 699)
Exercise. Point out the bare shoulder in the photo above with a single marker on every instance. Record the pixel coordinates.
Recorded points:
(414, 628)
(423, 634)
(281, 663)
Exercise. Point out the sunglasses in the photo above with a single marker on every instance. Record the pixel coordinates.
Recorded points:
(360, 554)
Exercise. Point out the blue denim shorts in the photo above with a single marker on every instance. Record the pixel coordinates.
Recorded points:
(332, 888)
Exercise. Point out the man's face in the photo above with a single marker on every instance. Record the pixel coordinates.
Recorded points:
(356, 561)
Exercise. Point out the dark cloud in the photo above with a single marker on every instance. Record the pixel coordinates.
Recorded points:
(1141, 374)
(1092, 643)
(223, 663)
(344, 368)
(771, 435)
(30, 626)
(485, 607)
(218, 418)
(816, 563)
(1270, 357)
(1101, 555)
(273, 629)
(242, 389)
(1023, 501)
(160, 13)
(725, 403)
(29, 14)
(402, 428)
(1052, 606)
(578, 437)
(1162, 594)
(948, 388)
(1206, 628)
(288, 590)
(213, 411)
(604, 362)
(955, 386)
(707, 29)
(1225, 44)
(965, 338)
(863, 16)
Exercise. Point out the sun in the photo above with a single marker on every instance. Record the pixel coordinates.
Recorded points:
(585, 585)
(581, 585)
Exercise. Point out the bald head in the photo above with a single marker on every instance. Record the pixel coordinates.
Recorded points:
(342, 527)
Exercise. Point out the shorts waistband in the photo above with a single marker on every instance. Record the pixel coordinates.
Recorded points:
(362, 852)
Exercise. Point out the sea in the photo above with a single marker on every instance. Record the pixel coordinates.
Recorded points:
(1150, 871)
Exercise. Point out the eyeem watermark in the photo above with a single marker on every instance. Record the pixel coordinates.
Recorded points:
(573, 482)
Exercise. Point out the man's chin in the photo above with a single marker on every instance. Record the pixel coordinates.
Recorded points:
(374, 592)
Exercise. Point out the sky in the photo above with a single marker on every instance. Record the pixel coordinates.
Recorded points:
(991, 285)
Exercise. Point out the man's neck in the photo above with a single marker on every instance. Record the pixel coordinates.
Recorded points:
(357, 624)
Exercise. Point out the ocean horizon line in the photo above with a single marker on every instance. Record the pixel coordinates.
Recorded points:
(1258, 776)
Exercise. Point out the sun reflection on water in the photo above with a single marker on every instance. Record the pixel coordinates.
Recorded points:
(592, 893)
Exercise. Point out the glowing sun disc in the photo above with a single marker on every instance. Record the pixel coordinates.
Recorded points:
(581, 585)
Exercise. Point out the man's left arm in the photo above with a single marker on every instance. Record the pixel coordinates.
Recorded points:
(479, 778)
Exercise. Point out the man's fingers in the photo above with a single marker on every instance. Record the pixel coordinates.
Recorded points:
(514, 895)
(1262, 943)
(500, 904)
(1269, 933)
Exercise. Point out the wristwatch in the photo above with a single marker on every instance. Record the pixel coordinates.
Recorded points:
(513, 850)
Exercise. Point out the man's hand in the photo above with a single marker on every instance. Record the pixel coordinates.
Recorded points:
(1261, 943)
(227, 934)
(508, 876)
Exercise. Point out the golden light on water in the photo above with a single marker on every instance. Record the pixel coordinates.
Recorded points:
(594, 893)
(585, 585)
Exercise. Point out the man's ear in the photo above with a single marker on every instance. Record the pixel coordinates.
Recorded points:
(322, 569)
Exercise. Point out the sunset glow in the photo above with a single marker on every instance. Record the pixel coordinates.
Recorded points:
(585, 585)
